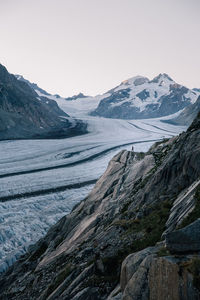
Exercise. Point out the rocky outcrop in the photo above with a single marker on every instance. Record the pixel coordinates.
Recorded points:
(23, 114)
(151, 277)
(184, 240)
(158, 274)
(138, 198)
(33, 86)
(182, 207)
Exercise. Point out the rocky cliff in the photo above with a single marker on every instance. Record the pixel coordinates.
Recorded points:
(23, 114)
(135, 236)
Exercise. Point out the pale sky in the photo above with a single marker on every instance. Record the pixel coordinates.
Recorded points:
(90, 46)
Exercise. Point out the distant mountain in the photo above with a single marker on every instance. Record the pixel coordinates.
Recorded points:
(139, 98)
(196, 90)
(187, 115)
(75, 97)
(40, 91)
(24, 114)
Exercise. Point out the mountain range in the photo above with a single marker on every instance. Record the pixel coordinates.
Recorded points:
(24, 114)
(140, 98)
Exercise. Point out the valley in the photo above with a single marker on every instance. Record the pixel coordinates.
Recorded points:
(41, 180)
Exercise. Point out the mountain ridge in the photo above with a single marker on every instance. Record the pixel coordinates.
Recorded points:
(24, 114)
(139, 98)
(164, 97)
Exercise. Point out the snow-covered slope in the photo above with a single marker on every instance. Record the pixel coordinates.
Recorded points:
(139, 98)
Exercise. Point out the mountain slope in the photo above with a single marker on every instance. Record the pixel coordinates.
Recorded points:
(34, 86)
(140, 198)
(25, 115)
(187, 115)
(139, 98)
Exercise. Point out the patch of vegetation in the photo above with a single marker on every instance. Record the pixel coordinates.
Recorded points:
(163, 252)
(140, 155)
(126, 224)
(152, 226)
(195, 213)
(156, 144)
(62, 275)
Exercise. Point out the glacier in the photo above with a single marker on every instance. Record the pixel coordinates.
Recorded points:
(41, 180)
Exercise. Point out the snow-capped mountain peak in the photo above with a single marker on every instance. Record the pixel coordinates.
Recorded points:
(139, 97)
(135, 98)
(163, 77)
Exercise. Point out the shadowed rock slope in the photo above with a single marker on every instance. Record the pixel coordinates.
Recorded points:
(121, 228)
(187, 115)
(23, 114)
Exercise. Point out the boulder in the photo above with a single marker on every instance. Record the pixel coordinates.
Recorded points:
(131, 264)
(151, 277)
(186, 239)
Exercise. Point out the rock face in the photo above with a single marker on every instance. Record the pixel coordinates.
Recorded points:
(138, 198)
(34, 86)
(186, 239)
(23, 114)
(151, 277)
(140, 98)
(182, 207)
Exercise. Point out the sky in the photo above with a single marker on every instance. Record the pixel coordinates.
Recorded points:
(90, 46)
